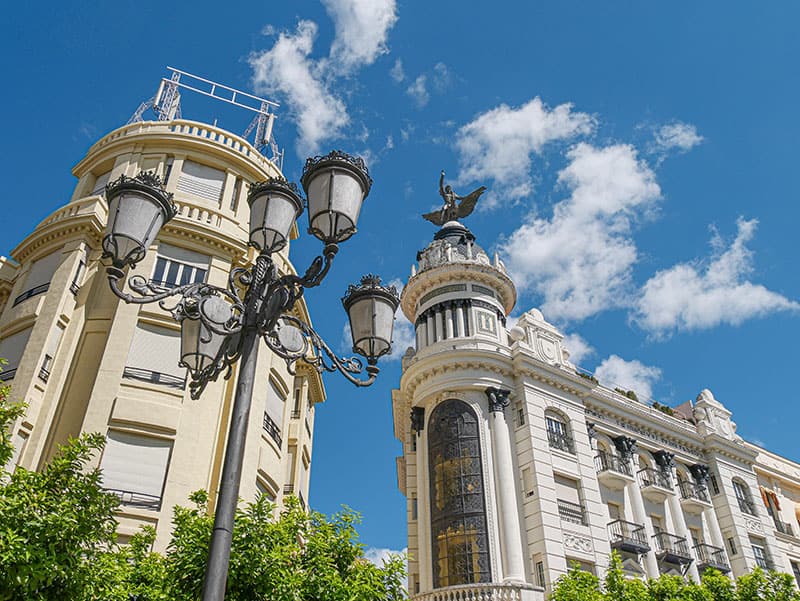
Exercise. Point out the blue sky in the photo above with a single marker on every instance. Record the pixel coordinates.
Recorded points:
(640, 160)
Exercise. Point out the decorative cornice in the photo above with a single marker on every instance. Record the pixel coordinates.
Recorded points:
(85, 225)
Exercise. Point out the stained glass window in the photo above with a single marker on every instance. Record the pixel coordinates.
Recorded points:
(458, 507)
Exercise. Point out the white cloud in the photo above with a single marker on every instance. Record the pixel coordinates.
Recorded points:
(677, 135)
(396, 72)
(418, 90)
(377, 556)
(704, 294)
(579, 260)
(578, 348)
(362, 28)
(616, 372)
(498, 144)
(441, 77)
(288, 70)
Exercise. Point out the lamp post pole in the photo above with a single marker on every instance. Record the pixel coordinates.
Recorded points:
(219, 328)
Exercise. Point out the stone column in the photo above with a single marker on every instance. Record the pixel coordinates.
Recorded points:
(710, 520)
(430, 329)
(460, 319)
(510, 538)
(448, 322)
(421, 335)
(679, 523)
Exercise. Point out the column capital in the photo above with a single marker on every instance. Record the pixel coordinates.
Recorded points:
(498, 398)
(626, 446)
(417, 419)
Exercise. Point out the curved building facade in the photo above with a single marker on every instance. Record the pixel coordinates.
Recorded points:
(517, 464)
(84, 361)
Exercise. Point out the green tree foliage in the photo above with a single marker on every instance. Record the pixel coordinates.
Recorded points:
(58, 542)
(756, 586)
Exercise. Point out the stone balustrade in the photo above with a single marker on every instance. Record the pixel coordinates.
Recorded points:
(484, 592)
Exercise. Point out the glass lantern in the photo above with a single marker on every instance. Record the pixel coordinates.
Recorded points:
(137, 209)
(275, 205)
(203, 325)
(336, 185)
(371, 308)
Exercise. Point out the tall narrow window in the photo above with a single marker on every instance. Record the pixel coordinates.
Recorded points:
(237, 186)
(177, 266)
(458, 508)
(558, 435)
(273, 412)
(742, 493)
(154, 356)
(134, 468)
(11, 349)
(100, 182)
(39, 276)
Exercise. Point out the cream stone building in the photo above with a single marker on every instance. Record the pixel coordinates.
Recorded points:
(516, 463)
(84, 361)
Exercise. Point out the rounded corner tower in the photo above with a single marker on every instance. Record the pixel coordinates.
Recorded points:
(457, 471)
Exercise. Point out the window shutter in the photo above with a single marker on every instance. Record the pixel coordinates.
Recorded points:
(567, 489)
(12, 347)
(181, 255)
(42, 271)
(200, 180)
(100, 184)
(156, 349)
(275, 403)
(135, 463)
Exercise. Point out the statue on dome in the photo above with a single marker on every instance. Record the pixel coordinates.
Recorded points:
(452, 210)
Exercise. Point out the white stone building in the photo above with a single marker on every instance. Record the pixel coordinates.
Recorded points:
(516, 464)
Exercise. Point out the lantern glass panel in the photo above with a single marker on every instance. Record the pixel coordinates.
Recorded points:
(335, 197)
(271, 217)
(200, 344)
(134, 221)
(371, 322)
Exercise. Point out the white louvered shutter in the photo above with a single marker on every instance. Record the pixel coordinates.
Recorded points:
(12, 347)
(135, 463)
(200, 180)
(156, 349)
(567, 489)
(42, 270)
(100, 184)
(275, 403)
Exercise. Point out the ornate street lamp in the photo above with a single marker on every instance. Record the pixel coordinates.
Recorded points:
(219, 326)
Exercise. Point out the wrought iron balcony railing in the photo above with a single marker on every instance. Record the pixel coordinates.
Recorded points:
(628, 536)
(709, 556)
(783, 527)
(571, 512)
(8, 374)
(607, 462)
(41, 289)
(671, 548)
(561, 441)
(295, 414)
(136, 499)
(271, 428)
(690, 490)
(652, 477)
(746, 505)
(155, 377)
(44, 374)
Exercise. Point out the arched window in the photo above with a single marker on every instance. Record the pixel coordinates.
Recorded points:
(558, 431)
(742, 492)
(458, 508)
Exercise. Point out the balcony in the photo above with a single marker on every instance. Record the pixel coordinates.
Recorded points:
(483, 592)
(31, 293)
(783, 527)
(271, 428)
(571, 512)
(44, 374)
(746, 506)
(694, 497)
(670, 548)
(295, 414)
(613, 472)
(561, 441)
(154, 377)
(709, 556)
(628, 537)
(655, 484)
(136, 499)
(8, 374)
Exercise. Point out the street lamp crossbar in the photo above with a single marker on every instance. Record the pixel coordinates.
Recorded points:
(222, 326)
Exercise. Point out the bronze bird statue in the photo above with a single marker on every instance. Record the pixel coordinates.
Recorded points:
(452, 211)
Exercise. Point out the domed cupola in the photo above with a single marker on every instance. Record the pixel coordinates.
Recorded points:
(456, 290)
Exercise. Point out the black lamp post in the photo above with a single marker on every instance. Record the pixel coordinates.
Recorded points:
(219, 327)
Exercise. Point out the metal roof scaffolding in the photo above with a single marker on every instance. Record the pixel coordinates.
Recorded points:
(166, 104)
